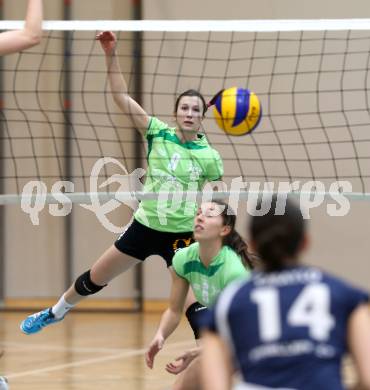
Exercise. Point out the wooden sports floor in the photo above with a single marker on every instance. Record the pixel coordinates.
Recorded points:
(91, 351)
(88, 351)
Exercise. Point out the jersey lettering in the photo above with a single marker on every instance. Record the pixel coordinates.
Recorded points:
(310, 309)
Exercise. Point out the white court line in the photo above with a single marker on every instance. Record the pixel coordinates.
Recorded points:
(86, 362)
(59, 348)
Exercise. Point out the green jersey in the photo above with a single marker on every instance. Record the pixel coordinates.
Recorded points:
(177, 168)
(208, 282)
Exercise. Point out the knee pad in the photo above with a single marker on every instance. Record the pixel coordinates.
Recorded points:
(193, 312)
(85, 286)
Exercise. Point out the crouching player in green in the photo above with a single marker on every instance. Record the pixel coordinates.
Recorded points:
(207, 266)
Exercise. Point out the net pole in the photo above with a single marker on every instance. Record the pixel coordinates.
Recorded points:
(2, 171)
(137, 85)
(67, 12)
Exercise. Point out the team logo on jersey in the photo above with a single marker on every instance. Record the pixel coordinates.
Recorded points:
(174, 161)
(195, 171)
(181, 243)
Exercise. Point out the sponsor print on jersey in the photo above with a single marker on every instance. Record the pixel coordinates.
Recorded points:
(181, 243)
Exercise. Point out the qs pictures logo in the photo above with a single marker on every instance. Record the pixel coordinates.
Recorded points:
(34, 194)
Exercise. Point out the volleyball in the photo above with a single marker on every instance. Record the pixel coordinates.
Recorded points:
(237, 111)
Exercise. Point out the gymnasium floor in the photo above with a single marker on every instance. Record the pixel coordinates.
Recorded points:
(88, 351)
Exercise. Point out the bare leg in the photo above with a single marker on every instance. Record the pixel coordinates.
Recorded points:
(108, 266)
(111, 264)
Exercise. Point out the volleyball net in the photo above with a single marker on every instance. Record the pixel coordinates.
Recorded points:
(59, 123)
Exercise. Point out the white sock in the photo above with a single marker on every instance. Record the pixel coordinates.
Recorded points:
(61, 308)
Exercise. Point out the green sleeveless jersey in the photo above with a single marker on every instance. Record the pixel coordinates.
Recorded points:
(208, 282)
(175, 167)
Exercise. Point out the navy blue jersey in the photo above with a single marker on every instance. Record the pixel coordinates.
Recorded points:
(287, 329)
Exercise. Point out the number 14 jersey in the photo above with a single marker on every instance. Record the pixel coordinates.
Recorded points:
(288, 329)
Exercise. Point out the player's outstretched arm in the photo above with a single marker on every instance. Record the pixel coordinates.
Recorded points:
(118, 85)
(216, 369)
(170, 318)
(14, 41)
(359, 344)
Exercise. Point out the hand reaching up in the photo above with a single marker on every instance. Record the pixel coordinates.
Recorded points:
(108, 41)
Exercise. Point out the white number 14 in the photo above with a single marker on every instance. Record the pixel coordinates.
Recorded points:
(311, 309)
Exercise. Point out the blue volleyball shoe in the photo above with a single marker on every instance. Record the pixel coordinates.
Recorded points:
(35, 322)
(3, 383)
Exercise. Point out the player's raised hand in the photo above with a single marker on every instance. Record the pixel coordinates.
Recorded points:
(108, 41)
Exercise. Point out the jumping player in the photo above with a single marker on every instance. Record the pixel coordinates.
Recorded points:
(179, 159)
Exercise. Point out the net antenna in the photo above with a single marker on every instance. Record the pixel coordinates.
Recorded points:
(312, 77)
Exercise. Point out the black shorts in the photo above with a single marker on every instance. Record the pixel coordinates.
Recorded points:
(140, 241)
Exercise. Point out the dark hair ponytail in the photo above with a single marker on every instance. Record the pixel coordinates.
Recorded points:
(237, 243)
(277, 237)
(234, 240)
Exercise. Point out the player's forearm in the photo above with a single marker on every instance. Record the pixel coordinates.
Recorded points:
(117, 82)
(169, 322)
(216, 368)
(212, 382)
(360, 386)
(215, 377)
(14, 41)
(194, 352)
(33, 22)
